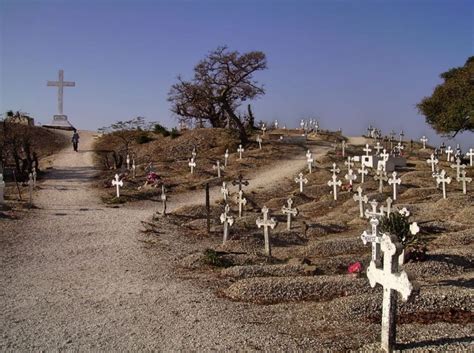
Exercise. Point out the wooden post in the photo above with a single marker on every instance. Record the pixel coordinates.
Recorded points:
(208, 210)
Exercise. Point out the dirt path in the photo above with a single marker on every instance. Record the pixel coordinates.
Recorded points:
(74, 276)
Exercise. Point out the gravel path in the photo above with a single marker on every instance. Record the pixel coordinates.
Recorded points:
(75, 275)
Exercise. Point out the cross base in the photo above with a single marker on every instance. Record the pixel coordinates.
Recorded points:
(60, 122)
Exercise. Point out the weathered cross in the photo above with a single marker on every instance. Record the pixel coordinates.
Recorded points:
(242, 201)
(349, 163)
(424, 140)
(226, 157)
(394, 181)
(34, 177)
(117, 183)
(240, 150)
(361, 199)
(301, 181)
(462, 179)
(266, 223)
(373, 213)
(387, 209)
(470, 154)
(381, 176)
(378, 147)
(362, 171)
(240, 181)
(334, 169)
(400, 148)
(289, 212)
(350, 176)
(163, 198)
(259, 141)
(264, 128)
(373, 238)
(218, 167)
(309, 154)
(224, 191)
(448, 152)
(334, 183)
(61, 84)
(442, 179)
(458, 166)
(227, 220)
(432, 161)
(367, 149)
(192, 165)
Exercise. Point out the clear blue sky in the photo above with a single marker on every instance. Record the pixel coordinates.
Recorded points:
(350, 63)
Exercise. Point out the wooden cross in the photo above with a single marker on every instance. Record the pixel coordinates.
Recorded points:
(240, 181)
(334, 169)
(367, 149)
(458, 166)
(224, 191)
(266, 223)
(362, 171)
(117, 183)
(424, 140)
(259, 141)
(242, 201)
(441, 179)
(392, 281)
(301, 180)
(219, 167)
(361, 199)
(226, 157)
(378, 147)
(163, 199)
(374, 239)
(334, 183)
(240, 150)
(289, 212)
(432, 161)
(387, 209)
(227, 220)
(310, 161)
(394, 181)
(192, 165)
(463, 179)
(470, 154)
(381, 176)
(448, 152)
(373, 213)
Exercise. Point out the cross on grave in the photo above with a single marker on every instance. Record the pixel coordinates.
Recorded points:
(275, 124)
(310, 161)
(350, 176)
(458, 152)
(224, 191)
(377, 148)
(242, 201)
(343, 148)
(117, 183)
(163, 198)
(266, 223)
(264, 128)
(308, 154)
(361, 199)
(458, 166)
(387, 209)
(362, 171)
(34, 177)
(193, 153)
(470, 154)
(128, 162)
(349, 163)
(334, 183)
(259, 141)
(61, 84)
(134, 169)
(226, 157)
(442, 179)
(462, 179)
(373, 238)
(432, 161)
(373, 213)
(240, 181)
(192, 165)
(218, 167)
(384, 155)
(334, 169)
(367, 149)
(399, 148)
(392, 281)
(448, 152)
(424, 140)
(301, 180)
(289, 212)
(240, 150)
(394, 181)
(381, 176)
(227, 220)
(2, 190)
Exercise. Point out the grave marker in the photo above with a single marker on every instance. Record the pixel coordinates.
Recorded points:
(362, 171)
(350, 176)
(458, 166)
(470, 154)
(289, 212)
(387, 209)
(240, 150)
(432, 161)
(224, 191)
(334, 183)
(349, 163)
(442, 179)
(240, 181)
(378, 147)
(343, 148)
(334, 169)
(192, 165)
(301, 180)
(218, 167)
(361, 199)
(424, 140)
(381, 176)
(373, 213)
(367, 149)
(242, 201)
(462, 179)
(448, 152)
(310, 161)
(265, 223)
(193, 153)
(394, 181)
(374, 239)
(163, 199)
(117, 183)
(259, 141)
(227, 220)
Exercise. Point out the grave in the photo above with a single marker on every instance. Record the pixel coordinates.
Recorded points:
(470, 154)
(458, 166)
(381, 176)
(448, 152)
(374, 239)
(265, 223)
(388, 209)
(117, 183)
(432, 161)
(442, 179)
(242, 201)
(310, 161)
(218, 167)
(289, 212)
(240, 150)
(394, 181)
(373, 213)
(334, 169)
(192, 165)
(350, 176)
(362, 171)
(334, 183)
(301, 181)
(462, 179)
(224, 191)
(60, 120)
(227, 220)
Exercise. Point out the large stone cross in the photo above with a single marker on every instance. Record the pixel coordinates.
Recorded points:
(218, 167)
(240, 150)
(361, 199)
(374, 239)
(301, 181)
(392, 280)
(289, 212)
(334, 169)
(227, 220)
(470, 154)
(61, 84)
(462, 179)
(334, 183)
(117, 183)
(442, 179)
(381, 176)
(265, 222)
(350, 176)
(432, 161)
(242, 201)
(367, 149)
(394, 181)
(424, 140)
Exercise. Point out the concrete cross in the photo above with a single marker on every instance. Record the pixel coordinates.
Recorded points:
(134, 169)
(2, 189)
(462, 179)
(470, 154)
(373, 213)
(432, 161)
(61, 84)
(240, 181)
(374, 239)
(400, 148)
(218, 167)
(309, 154)
(334, 183)
(240, 150)
(266, 223)
(458, 166)
(367, 149)
(387, 209)
(164, 198)
(227, 220)
(224, 191)
(381, 176)
(301, 180)
(392, 281)
(259, 141)
(442, 179)
(384, 157)
(117, 183)
(378, 147)
(128, 162)
(361, 199)
(275, 124)
(424, 140)
(310, 161)
(242, 201)
(349, 163)
(226, 157)
(334, 169)
(449, 151)
(362, 171)
(289, 212)
(394, 181)
(350, 176)
(192, 165)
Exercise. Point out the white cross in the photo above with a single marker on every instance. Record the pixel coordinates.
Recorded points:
(240, 150)
(362, 171)
(448, 152)
(373, 213)
(193, 153)
(275, 124)
(458, 166)
(343, 148)
(378, 147)
(373, 238)
(308, 154)
(387, 209)
(367, 149)
(350, 176)
(384, 157)
(310, 161)
(242, 202)
(266, 223)
(394, 181)
(61, 84)
(432, 161)
(301, 180)
(128, 162)
(334, 183)
(34, 177)
(227, 220)
(218, 167)
(441, 179)
(163, 198)
(192, 165)
(2, 189)
(117, 183)
(226, 157)
(424, 140)
(361, 199)
(259, 141)
(462, 179)
(392, 281)
(224, 191)
(470, 154)
(134, 168)
(289, 212)
(349, 163)
(334, 169)
(400, 147)
(381, 176)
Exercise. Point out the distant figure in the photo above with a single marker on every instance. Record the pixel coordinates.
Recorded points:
(75, 140)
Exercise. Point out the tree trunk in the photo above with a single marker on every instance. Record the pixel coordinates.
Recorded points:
(242, 132)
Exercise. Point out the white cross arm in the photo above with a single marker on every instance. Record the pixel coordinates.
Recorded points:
(395, 281)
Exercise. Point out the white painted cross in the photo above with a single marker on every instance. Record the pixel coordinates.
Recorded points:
(432, 161)
(310, 161)
(34, 177)
(240, 150)
(61, 84)
(289, 212)
(2, 189)
(462, 179)
(134, 169)
(394, 181)
(362, 171)
(163, 199)
(264, 128)
(117, 183)
(128, 162)
(373, 213)
(334, 169)
(470, 154)
(448, 152)
(400, 147)
(458, 166)
(349, 163)
(242, 202)
(387, 209)
(361, 199)
(266, 223)
(218, 167)
(308, 154)
(224, 191)
(334, 183)
(227, 220)
(301, 181)
(350, 176)
(392, 281)
(381, 176)
(343, 148)
(226, 157)
(442, 179)
(424, 140)
(367, 149)
(378, 147)
(259, 141)
(192, 165)
(373, 238)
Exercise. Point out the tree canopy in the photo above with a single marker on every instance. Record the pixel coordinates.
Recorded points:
(222, 82)
(450, 109)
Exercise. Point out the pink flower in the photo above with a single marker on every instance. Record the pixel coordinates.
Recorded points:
(356, 267)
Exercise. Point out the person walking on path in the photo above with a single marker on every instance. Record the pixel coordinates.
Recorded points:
(75, 140)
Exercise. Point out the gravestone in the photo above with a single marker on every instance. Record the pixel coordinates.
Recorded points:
(361, 199)
(265, 223)
(381, 176)
(163, 199)
(334, 183)
(350, 176)
(60, 120)
(242, 201)
(224, 191)
(289, 212)
(227, 220)
(394, 181)
(432, 161)
(442, 179)
(424, 140)
(240, 150)
(301, 181)
(218, 167)
(470, 154)
(2, 190)
(117, 183)
(462, 179)
(192, 165)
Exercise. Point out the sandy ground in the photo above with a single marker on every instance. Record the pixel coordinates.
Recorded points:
(76, 276)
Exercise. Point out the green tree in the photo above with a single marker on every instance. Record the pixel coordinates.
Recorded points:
(450, 109)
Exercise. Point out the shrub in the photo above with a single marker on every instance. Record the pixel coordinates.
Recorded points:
(174, 133)
(160, 129)
(143, 138)
(213, 258)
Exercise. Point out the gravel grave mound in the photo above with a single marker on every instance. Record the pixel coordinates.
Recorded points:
(283, 270)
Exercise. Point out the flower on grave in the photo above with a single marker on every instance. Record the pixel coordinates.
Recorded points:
(404, 212)
(152, 177)
(356, 267)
